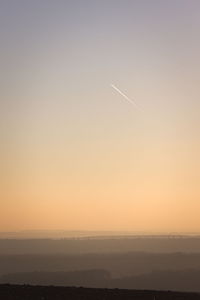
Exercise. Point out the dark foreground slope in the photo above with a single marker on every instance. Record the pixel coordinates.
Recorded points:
(24, 292)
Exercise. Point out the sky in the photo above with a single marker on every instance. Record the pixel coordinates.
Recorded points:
(75, 154)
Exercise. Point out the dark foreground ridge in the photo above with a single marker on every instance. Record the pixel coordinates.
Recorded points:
(24, 292)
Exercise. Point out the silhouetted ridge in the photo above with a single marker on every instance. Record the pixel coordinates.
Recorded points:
(24, 292)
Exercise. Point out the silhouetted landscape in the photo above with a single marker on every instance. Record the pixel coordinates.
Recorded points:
(185, 280)
(110, 262)
(14, 292)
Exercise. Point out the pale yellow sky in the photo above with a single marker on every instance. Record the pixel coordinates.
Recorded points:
(74, 153)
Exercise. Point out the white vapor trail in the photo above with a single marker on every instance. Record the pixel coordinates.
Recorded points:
(125, 96)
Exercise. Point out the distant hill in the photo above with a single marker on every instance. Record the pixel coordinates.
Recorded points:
(24, 292)
(86, 278)
(184, 281)
(114, 244)
(59, 234)
(118, 264)
(65, 234)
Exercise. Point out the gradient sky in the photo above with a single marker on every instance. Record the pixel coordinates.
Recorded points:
(74, 153)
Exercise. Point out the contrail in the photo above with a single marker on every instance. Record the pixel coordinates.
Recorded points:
(125, 96)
